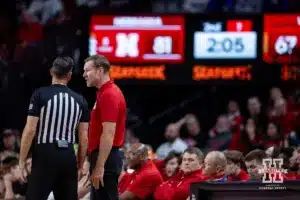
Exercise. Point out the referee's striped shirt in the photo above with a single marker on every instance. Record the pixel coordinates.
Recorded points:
(60, 110)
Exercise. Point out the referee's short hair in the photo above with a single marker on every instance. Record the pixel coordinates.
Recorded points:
(62, 66)
(99, 61)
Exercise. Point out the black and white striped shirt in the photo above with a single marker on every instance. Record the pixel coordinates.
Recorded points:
(60, 110)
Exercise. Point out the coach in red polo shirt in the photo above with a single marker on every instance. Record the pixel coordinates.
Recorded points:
(107, 129)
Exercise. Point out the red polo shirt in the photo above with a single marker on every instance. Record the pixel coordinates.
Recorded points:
(110, 106)
(242, 176)
(143, 182)
(178, 187)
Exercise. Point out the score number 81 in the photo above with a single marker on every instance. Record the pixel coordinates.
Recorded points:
(162, 45)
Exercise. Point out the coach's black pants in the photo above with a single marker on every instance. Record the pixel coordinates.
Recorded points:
(53, 169)
(112, 170)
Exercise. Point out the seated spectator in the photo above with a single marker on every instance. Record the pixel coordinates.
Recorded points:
(256, 113)
(194, 136)
(254, 164)
(14, 187)
(284, 118)
(250, 138)
(214, 167)
(174, 142)
(178, 187)
(272, 137)
(10, 144)
(294, 163)
(234, 115)
(285, 154)
(275, 94)
(169, 166)
(130, 138)
(273, 151)
(220, 135)
(83, 189)
(141, 183)
(235, 162)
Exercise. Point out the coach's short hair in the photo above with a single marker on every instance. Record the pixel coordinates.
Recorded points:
(99, 61)
(62, 66)
(195, 150)
(257, 155)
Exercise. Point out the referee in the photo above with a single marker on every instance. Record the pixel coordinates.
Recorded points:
(54, 114)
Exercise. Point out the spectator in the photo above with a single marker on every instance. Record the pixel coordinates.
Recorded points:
(284, 118)
(130, 138)
(255, 112)
(42, 11)
(220, 135)
(272, 136)
(273, 151)
(174, 142)
(294, 163)
(195, 6)
(248, 6)
(235, 164)
(10, 144)
(285, 154)
(234, 115)
(145, 178)
(214, 168)
(254, 164)
(250, 137)
(12, 179)
(178, 187)
(83, 190)
(194, 135)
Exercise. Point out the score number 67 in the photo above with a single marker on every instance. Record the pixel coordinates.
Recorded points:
(285, 44)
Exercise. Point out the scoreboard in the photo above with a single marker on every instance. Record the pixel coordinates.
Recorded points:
(138, 39)
(281, 39)
(197, 48)
(225, 39)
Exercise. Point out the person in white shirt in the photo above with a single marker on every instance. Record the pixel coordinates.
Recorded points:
(174, 143)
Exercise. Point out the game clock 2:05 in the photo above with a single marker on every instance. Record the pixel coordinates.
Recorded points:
(225, 45)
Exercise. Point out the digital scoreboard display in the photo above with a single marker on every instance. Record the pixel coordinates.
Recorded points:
(138, 39)
(224, 39)
(281, 38)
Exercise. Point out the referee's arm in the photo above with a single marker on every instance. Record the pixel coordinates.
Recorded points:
(83, 135)
(30, 127)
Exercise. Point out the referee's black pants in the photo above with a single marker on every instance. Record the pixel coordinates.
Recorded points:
(112, 171)
(53, 169)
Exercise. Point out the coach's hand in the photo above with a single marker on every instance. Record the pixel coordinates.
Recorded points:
(97, 177)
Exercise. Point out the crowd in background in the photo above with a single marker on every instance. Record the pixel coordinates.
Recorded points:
(32, 33)
(237, 141)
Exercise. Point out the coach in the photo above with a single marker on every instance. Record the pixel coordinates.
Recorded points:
(107, 129)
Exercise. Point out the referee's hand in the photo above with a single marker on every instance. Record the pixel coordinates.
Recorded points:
(23, 172)
(97, 177)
